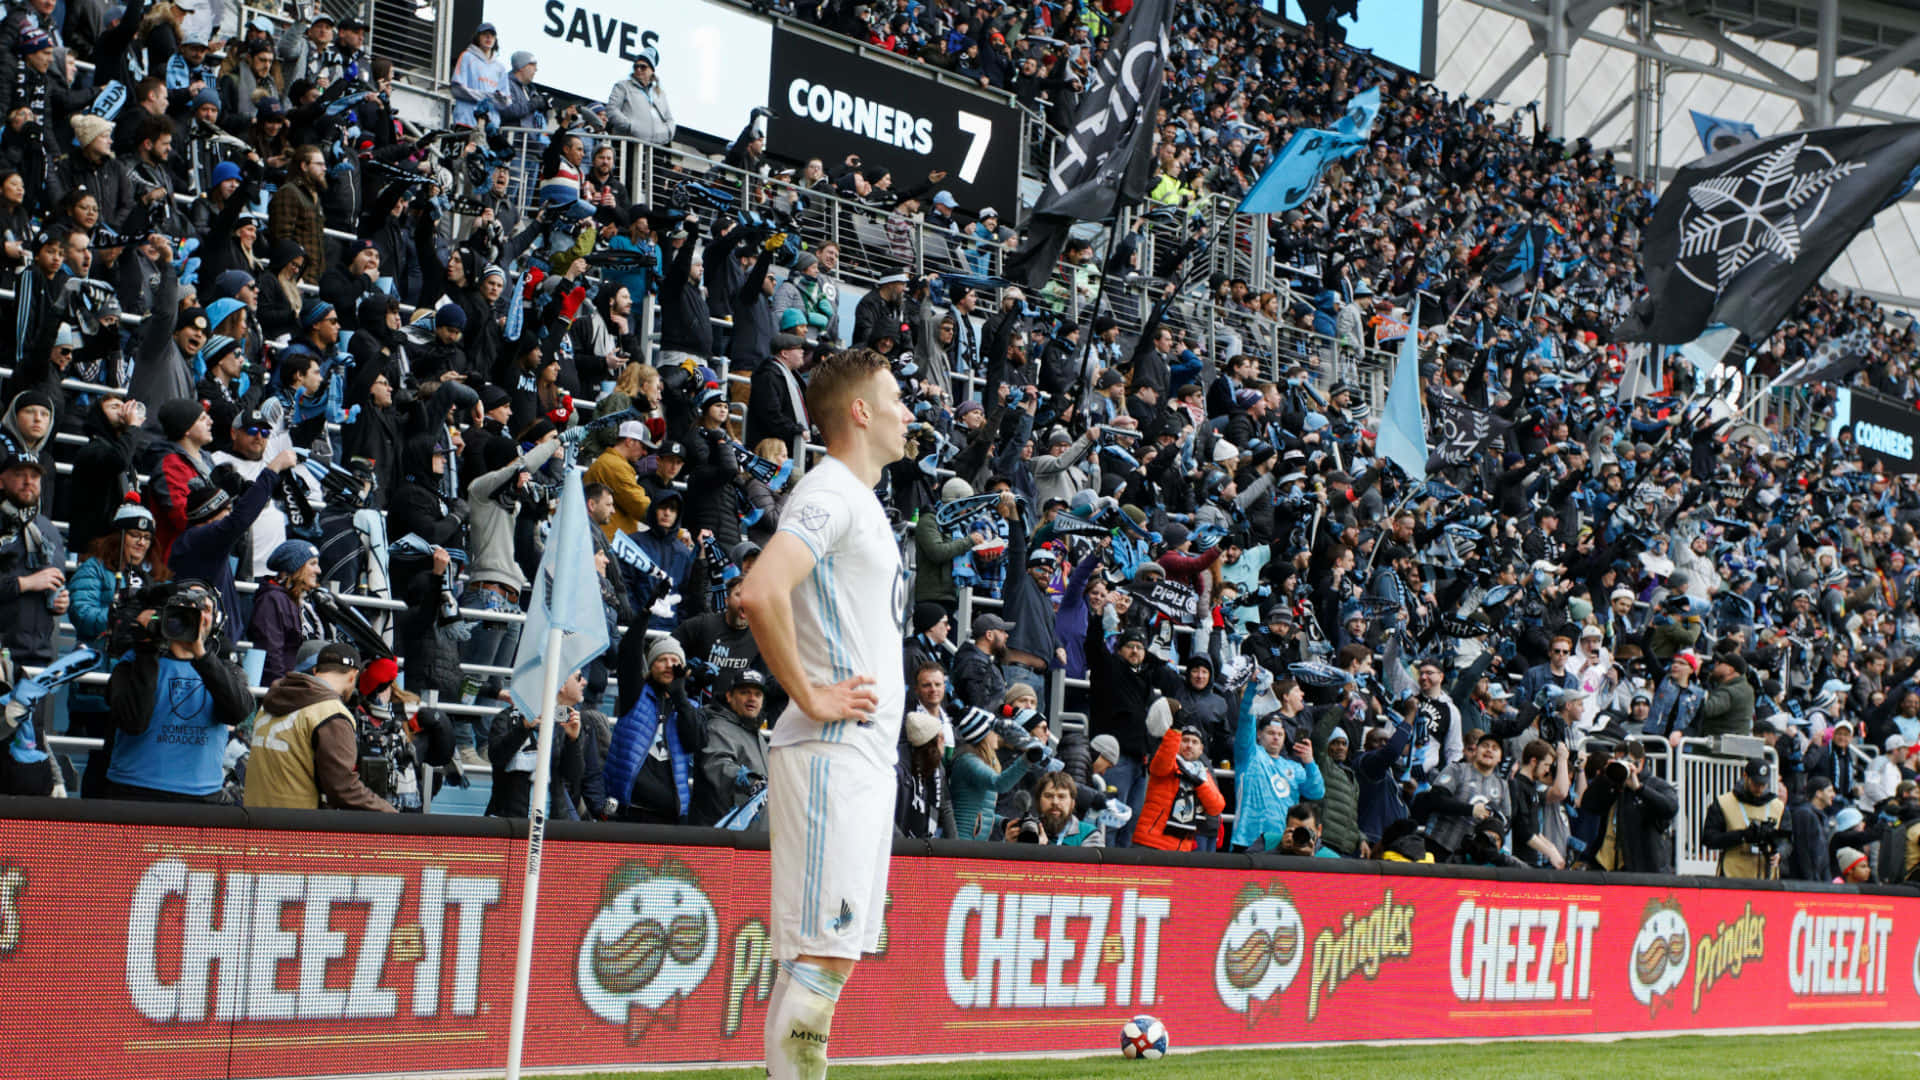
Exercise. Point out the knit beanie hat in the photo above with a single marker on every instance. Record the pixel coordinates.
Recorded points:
(177, 416)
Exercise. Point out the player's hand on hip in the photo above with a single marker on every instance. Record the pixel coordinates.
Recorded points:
(850, 699)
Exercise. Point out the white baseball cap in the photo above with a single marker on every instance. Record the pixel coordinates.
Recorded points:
(633, 429)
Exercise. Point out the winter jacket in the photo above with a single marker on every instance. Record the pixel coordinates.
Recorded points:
(306, 750)
(1640, 822)
(1266, 786)
(26, 626)
(712, 502)
(1121, 693)
(275, 629)
(1340, 807)
(1381, 803)
(640, 111)
(205, 551)
(629, 498)
(670, 555)
(1728, 709)
(633, 739)
(513, 788)
(977, 679)
(733, 746)
(1164, 783)
(490, 528)
(976, 788)
(923, 808)
(418, 509)
(933, 569)
(294, 214)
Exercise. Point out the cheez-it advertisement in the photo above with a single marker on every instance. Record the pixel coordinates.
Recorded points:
(203, 952)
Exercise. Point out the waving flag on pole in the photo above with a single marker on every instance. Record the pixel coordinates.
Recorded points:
(1402, 438)
(1739, 236)
(1296, 171)
(566, 595)
(1717, 134)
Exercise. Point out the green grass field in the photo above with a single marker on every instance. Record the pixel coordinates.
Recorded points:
(1863, 1054)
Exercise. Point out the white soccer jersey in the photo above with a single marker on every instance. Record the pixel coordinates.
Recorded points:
(848, 610)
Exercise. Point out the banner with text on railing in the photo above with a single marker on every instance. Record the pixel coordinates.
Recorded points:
(202, 952)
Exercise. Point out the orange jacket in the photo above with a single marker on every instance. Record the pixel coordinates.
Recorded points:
(1163, 783)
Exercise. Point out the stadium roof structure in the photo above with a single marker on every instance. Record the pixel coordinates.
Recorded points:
(1628, 76)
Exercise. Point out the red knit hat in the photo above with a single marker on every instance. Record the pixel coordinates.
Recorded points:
(377, 674)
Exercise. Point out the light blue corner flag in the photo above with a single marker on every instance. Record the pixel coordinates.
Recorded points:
(1403, 435)
(566, 595)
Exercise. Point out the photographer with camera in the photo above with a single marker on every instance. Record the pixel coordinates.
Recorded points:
(306, 746)
(733, 762)
(175, 701)
(1744, 825)
(1302, 837)
(650, 764)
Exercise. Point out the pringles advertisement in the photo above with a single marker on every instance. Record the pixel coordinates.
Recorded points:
(200, 952)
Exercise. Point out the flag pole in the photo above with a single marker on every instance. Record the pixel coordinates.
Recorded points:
(536, 836)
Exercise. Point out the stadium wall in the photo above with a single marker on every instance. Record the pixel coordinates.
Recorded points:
(204, 942)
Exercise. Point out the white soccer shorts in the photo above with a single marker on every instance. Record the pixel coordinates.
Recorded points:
(830, 828)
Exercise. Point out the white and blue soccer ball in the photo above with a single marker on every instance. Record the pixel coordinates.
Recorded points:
(1143, 1038)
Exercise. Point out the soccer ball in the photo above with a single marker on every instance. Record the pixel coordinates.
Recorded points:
(1143, 1038)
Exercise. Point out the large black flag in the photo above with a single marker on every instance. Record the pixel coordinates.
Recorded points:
(1106, 158)
(1740, 235)
(1460, 432)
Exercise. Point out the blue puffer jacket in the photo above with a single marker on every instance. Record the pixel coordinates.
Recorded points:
(633, 738)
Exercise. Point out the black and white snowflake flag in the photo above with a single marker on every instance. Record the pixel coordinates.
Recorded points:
(1459, 432)
(1739, 236)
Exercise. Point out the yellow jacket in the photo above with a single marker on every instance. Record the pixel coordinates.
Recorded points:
(629, 498)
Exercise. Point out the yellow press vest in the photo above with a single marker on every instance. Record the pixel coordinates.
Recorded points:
(1738, 862)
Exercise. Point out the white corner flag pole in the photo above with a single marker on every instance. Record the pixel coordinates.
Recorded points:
(536, 835)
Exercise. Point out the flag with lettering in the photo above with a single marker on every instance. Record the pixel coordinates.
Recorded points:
(1105, 159)
(1459, 432)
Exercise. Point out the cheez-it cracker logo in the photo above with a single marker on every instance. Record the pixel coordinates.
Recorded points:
(1728, 948)
(12, 884)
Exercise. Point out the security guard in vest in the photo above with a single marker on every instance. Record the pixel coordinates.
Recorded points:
(1744, 825)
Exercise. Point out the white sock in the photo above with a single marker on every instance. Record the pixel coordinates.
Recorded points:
(799, 1021)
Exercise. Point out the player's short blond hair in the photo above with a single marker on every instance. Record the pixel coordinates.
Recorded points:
(836, 381)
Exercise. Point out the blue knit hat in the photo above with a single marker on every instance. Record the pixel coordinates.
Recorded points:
(311, 315)
(290, 556)
(451, 316)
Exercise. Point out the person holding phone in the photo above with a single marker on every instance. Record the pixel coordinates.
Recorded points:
(650, 764)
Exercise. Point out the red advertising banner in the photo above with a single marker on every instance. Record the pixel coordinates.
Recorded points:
(200, 952)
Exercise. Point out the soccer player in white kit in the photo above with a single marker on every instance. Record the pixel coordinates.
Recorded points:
(825, 600)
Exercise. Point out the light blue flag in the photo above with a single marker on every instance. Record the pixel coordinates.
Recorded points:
(567, 595)
(1293, 175)
(1358, 121)
(1717, 134)
(1403, 434)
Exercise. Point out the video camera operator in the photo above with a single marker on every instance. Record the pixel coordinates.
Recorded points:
(175, 701)
(1744, 825)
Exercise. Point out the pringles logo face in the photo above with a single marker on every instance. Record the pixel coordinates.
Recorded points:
(649, 946)
(1660, 952)
(1359, 946)
(1730, 947)
(1261, 950)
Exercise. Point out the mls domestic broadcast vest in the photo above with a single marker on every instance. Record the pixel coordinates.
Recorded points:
(1738, 862)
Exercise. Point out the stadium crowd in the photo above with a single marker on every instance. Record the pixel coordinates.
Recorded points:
(266, 336)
